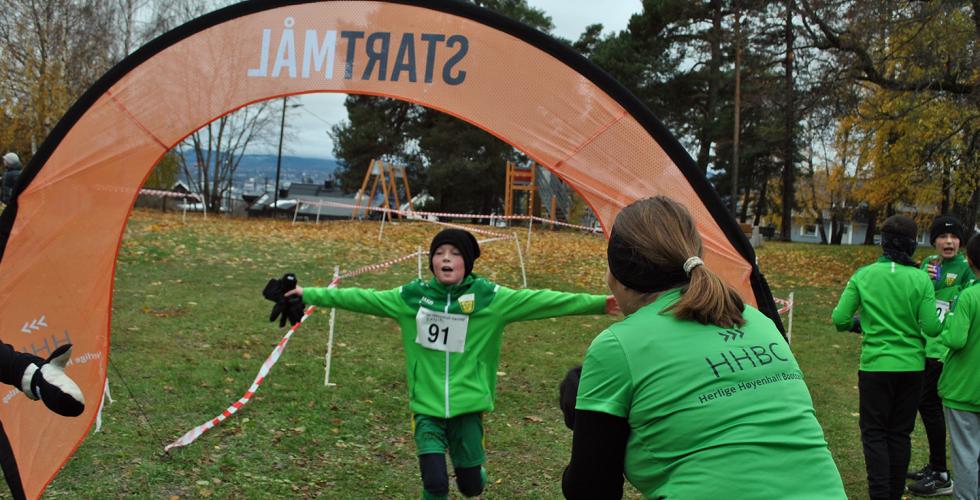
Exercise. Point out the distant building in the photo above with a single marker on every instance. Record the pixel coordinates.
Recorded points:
(309, 198)
(805, 229)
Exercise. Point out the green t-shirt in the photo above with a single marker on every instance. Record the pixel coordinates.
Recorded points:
(959, 385)
(898, 306)
(954, 274)
(713, 412)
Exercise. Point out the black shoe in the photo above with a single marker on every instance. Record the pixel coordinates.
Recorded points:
(938, 483)
(919, 475)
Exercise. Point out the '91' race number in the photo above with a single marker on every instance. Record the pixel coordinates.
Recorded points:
(441, 331)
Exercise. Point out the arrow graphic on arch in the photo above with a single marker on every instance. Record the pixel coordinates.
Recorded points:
(34, 324)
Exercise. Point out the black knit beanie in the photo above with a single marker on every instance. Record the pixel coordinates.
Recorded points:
(900, 225)
(945, 224)
(464, 241)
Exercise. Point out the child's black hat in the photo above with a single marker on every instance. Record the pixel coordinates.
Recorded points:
(464, 241)
(945, 224)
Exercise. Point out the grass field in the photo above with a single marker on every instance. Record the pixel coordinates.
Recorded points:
(190, 332)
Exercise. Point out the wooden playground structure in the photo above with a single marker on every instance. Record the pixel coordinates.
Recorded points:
(386, 176)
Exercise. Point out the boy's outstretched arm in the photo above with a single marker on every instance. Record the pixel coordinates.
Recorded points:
(386, 303)
(526, 305)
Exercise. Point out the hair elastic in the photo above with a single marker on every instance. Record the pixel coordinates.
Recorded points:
(691, 263)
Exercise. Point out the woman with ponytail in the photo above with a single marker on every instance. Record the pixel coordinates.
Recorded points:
(898, 305)
(694, 394)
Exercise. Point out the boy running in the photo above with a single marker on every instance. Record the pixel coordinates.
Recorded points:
(452, 328)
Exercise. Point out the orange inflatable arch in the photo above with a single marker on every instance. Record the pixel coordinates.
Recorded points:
(61, 236)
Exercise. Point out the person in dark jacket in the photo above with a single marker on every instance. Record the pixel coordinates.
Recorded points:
(11, 173)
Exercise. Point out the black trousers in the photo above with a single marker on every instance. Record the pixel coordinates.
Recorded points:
(888, 401)
(931, 411)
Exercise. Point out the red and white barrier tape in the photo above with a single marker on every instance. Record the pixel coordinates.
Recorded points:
(379, 266)
(786, 305)
(270, 361)
(168, 194)
(473, 229)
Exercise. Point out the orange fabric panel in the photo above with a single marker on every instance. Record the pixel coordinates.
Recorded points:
(60, 258)
(59, 265)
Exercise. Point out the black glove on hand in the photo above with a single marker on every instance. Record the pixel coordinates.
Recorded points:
(286, 308)
(856, 324)
(49, 383)
(567, 392)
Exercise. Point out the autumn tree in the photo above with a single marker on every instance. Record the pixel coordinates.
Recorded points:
(913, 65)
(51, 51)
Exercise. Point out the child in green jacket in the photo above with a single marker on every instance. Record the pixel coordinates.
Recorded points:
(452, 327)
(949, 272)
(897, 305)
(959, 385)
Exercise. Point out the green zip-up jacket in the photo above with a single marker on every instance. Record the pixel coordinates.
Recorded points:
(954, 274)
(959, 385)
(897, 305)
(452, 363)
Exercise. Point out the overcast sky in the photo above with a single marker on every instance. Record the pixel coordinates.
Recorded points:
(310, 122)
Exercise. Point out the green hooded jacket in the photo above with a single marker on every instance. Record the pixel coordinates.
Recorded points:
(452, 359)
(959, 385)
(897, 306)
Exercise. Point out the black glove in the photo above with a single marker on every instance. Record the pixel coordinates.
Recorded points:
(856, 324)
(286, 308)
(567, 392)
(49, 383)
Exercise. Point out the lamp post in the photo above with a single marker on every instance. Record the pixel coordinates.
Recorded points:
(282, 129)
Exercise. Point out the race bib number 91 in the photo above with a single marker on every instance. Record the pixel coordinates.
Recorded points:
(441, 331)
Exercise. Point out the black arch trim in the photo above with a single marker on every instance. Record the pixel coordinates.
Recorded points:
(538, 39)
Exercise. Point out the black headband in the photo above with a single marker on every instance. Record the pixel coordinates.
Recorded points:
(636, 272)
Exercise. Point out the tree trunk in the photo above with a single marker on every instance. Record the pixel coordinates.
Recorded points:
(869, 236)
(760, 205)
(714, 83)
(946, 188)
(836, 229)
(744, 211)
(788, 191)
(737, 104)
